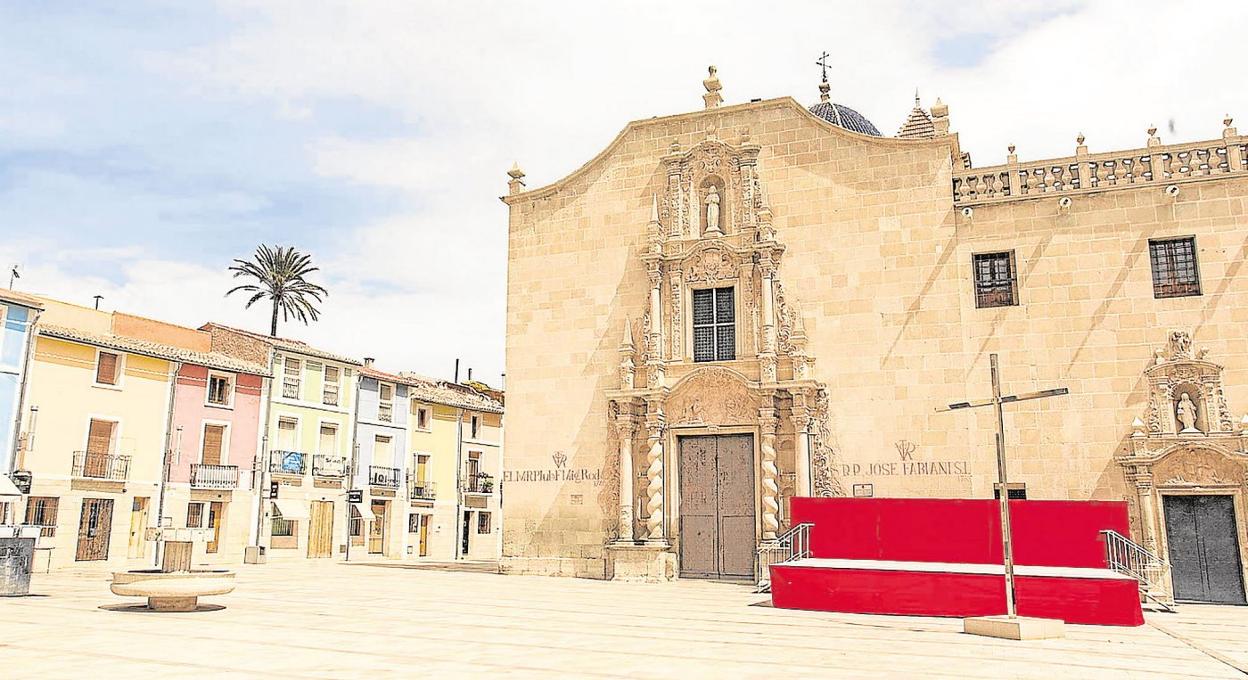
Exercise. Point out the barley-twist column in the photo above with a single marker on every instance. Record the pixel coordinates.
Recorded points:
(771, 487)
(654, 476)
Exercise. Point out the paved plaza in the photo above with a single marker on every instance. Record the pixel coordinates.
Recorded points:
(333, 620)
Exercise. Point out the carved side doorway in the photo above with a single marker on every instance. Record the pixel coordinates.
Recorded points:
(717, 523)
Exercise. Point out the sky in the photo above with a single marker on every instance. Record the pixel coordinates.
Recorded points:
(144, 145)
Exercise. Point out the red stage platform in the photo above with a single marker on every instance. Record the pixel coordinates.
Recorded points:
(936, 557)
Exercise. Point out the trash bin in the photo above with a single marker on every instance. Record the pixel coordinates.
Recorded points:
(17, 556)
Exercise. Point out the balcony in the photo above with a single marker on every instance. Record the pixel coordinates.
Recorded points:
(288, 462)
(421, 490)
(383, 476)
(479, 482)
(214, 476)
(329, 466)
(101, 466)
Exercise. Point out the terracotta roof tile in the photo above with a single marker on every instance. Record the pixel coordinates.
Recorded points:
(153, 349)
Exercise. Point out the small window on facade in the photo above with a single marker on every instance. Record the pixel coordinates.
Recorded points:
(329, 439)
(714, 325)
(282, 527)
(483, 522)
(106, 368)
(422, 418)
(476, 426)
(996, 282)
(286, 430)
(1016, 492)
(1175, 273)
(291, 378)
(330, 392)
(385, 404)
(220, 390)
(413, 523)
(194, 515)
(41, 512)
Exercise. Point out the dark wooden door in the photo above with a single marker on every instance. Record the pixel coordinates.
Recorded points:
(1204, 549)
(717, 522)
(95, 525)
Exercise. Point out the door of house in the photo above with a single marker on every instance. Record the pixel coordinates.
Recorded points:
(424, 535)
(214, 438)
(321, 531)
(463, 546)
(1204, 549)
(215, 516)
(95, 525)
(95, 463)
(138, 527)
(377, 528)
(717, 526)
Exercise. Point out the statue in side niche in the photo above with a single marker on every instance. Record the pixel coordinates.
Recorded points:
(712, 209)
(1186, 413)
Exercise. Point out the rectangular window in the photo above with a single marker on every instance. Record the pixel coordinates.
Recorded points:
(100, 437)
(214, 440)
(329, 439)
(291, 378)
(385, 404)
(413, 523)
(476, 426)
(714, 325)
(220, 390)
(106, 368)
(195, 516)
(422, 468)
(1175, 272)
(282, 527)
(996, 283)
(286, 434)
(383, 450)
(329, 395)
(41, 512)
(422, 418)
(483, 522)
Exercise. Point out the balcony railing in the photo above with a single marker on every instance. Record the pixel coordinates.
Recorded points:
(214, 476)
(101, 466)
(288, 462)
(329, 466)
(479, 482)
(421, 490)
(383, 476)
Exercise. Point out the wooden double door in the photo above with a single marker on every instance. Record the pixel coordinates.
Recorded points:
(95, 527)
(717, 521)
(1204, 548)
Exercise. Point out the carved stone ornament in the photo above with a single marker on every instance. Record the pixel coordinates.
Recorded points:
(1185, 389)
(1197, 467)
(712, 395)
(710, 265)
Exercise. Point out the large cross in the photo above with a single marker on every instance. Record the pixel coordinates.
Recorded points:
(998, 402)
(823, 62)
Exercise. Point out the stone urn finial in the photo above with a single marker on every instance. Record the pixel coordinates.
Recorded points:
(712, 98)
(516, 183)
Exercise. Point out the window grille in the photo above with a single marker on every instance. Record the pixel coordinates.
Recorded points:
(996, 282)
(329, 395)
(290, 379)
(41, 512)
(1175, 272)
(194, 515)
(714, 325)
(483, 522)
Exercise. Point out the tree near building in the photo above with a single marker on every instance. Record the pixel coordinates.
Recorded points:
(281, 277)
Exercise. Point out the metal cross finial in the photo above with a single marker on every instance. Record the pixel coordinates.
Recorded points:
(823, 63)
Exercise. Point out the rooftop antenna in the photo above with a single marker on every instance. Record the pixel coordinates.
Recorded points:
(456, 369)
(97, 300)
(14, 274)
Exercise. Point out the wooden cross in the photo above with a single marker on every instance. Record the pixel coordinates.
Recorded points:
(823, 62)
(998, 402)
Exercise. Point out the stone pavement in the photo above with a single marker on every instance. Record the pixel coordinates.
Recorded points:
(333, 620)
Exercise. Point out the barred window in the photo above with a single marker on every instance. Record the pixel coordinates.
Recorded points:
(1175, 273)
(996, 281)
(483, 523)
(291, 378)
(714, 325)
(329, 393)
(194, 515)
(282, 527)
(41, 512)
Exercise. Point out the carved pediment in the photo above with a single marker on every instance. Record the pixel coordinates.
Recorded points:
(1197, 466)
(712, 396)
(1185, 391)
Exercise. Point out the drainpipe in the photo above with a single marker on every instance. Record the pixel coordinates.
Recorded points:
(459, 480)
(164, 466)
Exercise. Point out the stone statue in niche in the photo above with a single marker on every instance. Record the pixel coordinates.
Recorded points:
(712, 210)
(1185, 411)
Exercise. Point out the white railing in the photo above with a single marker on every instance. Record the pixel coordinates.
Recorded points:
(214, 476)
(1152, 165)
(793, 544)
(1132, 559)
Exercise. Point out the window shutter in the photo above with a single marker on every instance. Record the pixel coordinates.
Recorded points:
(106, 369)
(100, 437)
(213, 436)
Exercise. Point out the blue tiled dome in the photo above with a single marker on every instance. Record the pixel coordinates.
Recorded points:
(843, 116)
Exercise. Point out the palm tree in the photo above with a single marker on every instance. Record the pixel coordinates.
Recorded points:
(279, 275)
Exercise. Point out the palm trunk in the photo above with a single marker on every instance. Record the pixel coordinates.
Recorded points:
(273, 323)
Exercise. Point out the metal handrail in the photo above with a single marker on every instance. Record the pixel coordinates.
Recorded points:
(379, 475)
(424, 490)
(204, 476)
(1132, 559)
(107, 466)
(328, 466)
(793, 544)
(288, 462)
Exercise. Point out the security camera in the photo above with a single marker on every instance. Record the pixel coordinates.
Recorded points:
(1064, 202)
(967, 212)
(1172, 190)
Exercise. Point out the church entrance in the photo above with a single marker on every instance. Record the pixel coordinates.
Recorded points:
(717, 525)
(1204, 549)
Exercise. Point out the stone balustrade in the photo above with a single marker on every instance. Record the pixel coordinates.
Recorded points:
(1082, 173)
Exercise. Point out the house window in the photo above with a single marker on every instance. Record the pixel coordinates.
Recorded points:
(714, 325)
(383, 450)
(422, 418)
(476, 426)
(329, 395)
(282, 527)
(214, 444)
(1015, 492)
(1175, 273)
(422, 468)
(329, 439)
(286, 434)
(220, 389)
(291, 378)
(996, 282)
(195, 516)
(41, 512)
(483, 522)
(385, 405)
(106, 368)
(413, 523)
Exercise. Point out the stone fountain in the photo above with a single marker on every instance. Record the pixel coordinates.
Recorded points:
(175, 586)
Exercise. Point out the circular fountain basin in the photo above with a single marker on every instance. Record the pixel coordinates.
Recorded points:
(177, 591)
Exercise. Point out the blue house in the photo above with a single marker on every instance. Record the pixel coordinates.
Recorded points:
(18, 314)
(379, 523)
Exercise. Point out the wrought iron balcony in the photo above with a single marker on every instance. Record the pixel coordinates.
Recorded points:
(479, 482)
(383, 476)
(288, 462)
(421, 490)
(101, 466)
(329, 466)
(214, 476)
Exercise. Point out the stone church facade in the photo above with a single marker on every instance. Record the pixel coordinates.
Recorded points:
(733, 306)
